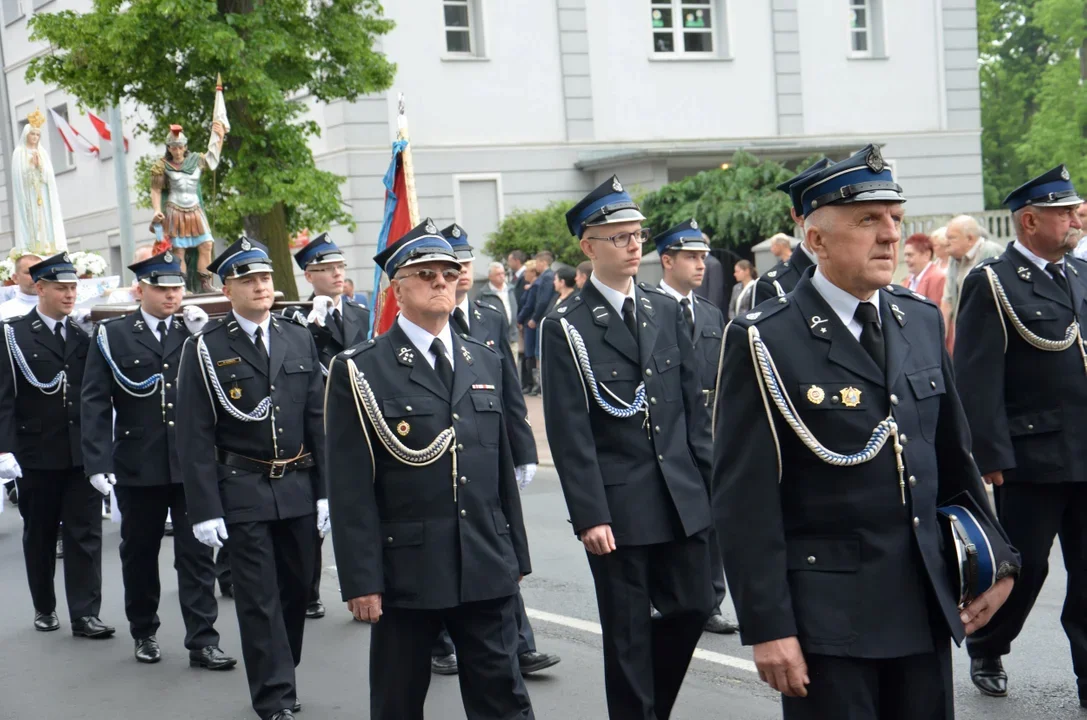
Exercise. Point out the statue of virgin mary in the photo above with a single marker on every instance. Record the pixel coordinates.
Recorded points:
(39, 225)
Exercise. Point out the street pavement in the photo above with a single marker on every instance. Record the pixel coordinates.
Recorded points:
(53, 676)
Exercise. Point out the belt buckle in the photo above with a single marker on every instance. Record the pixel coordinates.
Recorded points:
(279, 469)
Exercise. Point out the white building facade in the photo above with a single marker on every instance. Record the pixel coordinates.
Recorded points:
(513, 104)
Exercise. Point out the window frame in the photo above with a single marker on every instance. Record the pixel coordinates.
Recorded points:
(476, 46)
(718, 30)
(60, 150)
(874, 30)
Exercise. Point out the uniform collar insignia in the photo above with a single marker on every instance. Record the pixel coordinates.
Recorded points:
(899, 315)
(406, 356)
(177, 323)
(138, 324)
(467, 355)
(1024, 273)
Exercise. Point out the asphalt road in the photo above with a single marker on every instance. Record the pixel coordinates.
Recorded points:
(57, 677)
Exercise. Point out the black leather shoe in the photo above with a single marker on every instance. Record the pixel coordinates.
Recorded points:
(147, 650)
(227, 591)
(46, 622)
(60, 549)
(444, 664)
(297, 707)
(315, 610)
(282, 715)
(718, 624)
(91, 627)
(212, 658)
(535, 661)
(988, 675)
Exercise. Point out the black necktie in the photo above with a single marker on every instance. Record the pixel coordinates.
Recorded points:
(629, 317)
(871, 335)
(1058, 277)
(162, 331)
(258, 340)
(441, 364)
(460, 320)
(688, 315)
(338, 319)
(58, 330)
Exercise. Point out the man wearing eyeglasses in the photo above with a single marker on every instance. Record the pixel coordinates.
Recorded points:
(635, 459)
(427, 517)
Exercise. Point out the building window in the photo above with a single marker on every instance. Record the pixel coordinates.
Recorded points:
(866, 29)
(58, 151)
(463, 27)
(13, 10)
(688, 27)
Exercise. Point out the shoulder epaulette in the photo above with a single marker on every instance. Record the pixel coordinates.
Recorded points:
(905, 292)
(488, 306)
(571, 303)
(356, 349)
(987, 261)
(291, 319)
(209, 326)
(703, 301)
(654, 289)
(115, 318)
(763, 310)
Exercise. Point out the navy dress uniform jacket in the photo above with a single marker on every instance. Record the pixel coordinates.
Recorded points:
(488, 324)
(786, 274)
(329, 340)
(831, 554)
(397, 528)
(1032, 431)
(648, 477)
(140, 446)
(43, 431)
(295, 384)
(709, 330)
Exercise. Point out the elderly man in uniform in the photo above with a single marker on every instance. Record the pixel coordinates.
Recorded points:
(487, 323)
(835, 559)
(635, 459)
(130, 441)
(683, 252)
(41, 373)
(426, 511)
(784, 276)
(1023, 380)
(250, 398)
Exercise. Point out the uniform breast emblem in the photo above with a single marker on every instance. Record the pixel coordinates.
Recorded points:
(816, 395)
(851, 397)
(235, 393)
(402, 429)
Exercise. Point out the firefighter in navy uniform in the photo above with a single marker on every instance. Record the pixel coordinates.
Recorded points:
(41, 373)
(784, 276)
(837, 436)
(132, 371)
(1022, 374)
(683, 251)
(623, 400)
(427, 517)
(488, 324)
(250, 397)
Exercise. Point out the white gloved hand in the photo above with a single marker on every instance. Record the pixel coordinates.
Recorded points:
(195, 318)
(9, 468)
(210, 532)
(324, 525)
(82, 318)
(321, 304)
(103, 482)
(524, 474)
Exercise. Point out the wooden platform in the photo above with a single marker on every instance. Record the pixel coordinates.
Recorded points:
(214, 304)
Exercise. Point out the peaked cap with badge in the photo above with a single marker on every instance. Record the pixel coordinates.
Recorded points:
(58, 268)
(423, 243)
(319, 251)
(243, 257)
(1050, 189)
(862, 177)
(684, 236)
(608, 203)
(163, 270)
(458, 240)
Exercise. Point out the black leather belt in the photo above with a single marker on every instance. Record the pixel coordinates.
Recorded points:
(275, 469)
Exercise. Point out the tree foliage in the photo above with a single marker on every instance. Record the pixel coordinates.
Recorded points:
(275, 56)
(534, 230)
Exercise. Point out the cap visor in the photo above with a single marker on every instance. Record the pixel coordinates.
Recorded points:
(63, 278)
(250, 269)
(430, 257)
(464, 255)
(1063, 202)
(689, 245)
(624, 215)
(872, 196)
(327, 260)
(165, 281)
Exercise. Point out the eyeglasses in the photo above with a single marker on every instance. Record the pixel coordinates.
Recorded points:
(338, 267)
(621, 240)
(450, 275)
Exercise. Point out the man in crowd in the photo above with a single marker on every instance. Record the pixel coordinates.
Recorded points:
(635, 457)
(41, 375)
(966, 248)
(498, 293)
(130, 440)
(413, 552)
(25, 298)
(835, 561)
(781, 246)
(251, 398)
(1024, 388)
(516, 262)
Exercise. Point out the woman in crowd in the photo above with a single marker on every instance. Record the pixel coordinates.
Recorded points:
(746, 275)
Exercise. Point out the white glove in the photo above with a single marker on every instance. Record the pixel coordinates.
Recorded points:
(82, 318)
(324, 525)
(102, 482)
(210, 532)
(9, 468)
(524, 474)
(195, 318)
(321, 304)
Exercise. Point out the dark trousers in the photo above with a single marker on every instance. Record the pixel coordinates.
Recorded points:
(646, 660)
(143, 517)
(526, 639)
(1033, 514)
(48, 498)
(485, 633)
(315, 586)
(717, 573)
(272, 566)
(222, 568)
(917, 687)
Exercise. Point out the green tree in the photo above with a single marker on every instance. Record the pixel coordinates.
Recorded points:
(533, 230)
(275, 57)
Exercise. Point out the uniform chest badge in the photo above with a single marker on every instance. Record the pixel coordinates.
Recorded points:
(816, 395)
(235, 393)
(402, 428)
(851, 397)
(490, 343)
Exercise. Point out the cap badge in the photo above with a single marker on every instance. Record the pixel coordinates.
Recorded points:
(246, 245)
(67, 259)
(874, 161)
(816, 395)
(456, 231)
(615, 184)
(694, 224)
(328, 239)
(168, 257)
(851, 397)
(430, 227)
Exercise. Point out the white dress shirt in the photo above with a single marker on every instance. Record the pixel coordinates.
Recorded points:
(422, 340)
(503, 295)
(842, 303)
(250, 329)
(915, 280)
(615, 298)
(153, 324)
(52, 325)
(1040, 262)
(19, 304)
(675, 293)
